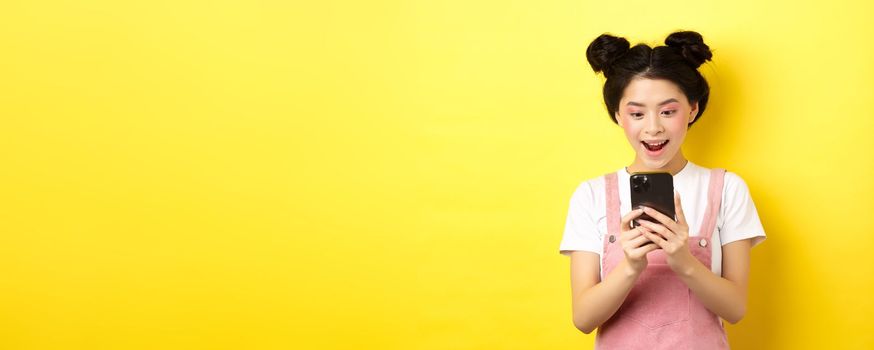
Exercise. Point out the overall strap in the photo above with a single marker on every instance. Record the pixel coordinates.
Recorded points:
(714, 200)
(612, 195)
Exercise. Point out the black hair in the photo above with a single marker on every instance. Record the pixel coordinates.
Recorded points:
(677, 61)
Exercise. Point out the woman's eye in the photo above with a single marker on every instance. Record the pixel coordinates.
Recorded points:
(671, 112)
(637, 115)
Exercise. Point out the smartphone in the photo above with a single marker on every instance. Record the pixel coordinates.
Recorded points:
(654, 190)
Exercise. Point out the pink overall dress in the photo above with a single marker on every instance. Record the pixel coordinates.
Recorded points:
(660, 311)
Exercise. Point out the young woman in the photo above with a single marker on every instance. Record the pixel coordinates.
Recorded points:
(667, 283)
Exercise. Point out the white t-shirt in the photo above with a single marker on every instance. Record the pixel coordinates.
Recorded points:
(738, 219)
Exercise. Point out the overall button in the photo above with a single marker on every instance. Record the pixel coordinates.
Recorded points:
(612, 239)
(703, 242)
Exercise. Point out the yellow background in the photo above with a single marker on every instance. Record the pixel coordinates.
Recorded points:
(396, 174)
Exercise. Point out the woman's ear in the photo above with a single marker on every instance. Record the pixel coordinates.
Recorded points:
(694, 113)
(618, 120)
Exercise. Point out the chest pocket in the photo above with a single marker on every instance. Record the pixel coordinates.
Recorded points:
(658, 298)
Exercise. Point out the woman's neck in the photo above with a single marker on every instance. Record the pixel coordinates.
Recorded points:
(674, 166)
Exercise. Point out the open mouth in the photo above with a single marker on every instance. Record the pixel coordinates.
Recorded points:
(655, 146)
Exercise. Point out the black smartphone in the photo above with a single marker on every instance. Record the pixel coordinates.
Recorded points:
(654, 190)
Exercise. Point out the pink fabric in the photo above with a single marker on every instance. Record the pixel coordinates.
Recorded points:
(660, 312)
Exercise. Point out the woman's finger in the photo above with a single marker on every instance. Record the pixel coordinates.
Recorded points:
(625, 223)
(638, 241)
(629, 234)
(656, 228)
(661, 218)
(644, 249)
(661, 242)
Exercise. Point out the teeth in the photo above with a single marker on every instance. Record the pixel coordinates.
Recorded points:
(657, 144)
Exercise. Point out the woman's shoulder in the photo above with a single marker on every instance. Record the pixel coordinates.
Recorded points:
(733, 184)
(730, 178)
(735, 188)
(590, 189)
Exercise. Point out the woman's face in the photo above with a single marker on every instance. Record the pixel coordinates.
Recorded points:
(655, 115)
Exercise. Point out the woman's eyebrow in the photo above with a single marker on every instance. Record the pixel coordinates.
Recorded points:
(632, 103)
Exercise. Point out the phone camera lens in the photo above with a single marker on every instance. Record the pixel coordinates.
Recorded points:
(640, 183)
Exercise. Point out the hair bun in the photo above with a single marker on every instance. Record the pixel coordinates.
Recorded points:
(604, 50)
(691, 46)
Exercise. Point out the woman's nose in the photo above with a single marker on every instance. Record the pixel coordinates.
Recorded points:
(653, 125)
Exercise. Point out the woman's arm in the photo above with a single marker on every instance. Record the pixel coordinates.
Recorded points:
(726, 296)
(593, 302)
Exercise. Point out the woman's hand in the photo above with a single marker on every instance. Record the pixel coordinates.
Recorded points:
(672, 236)
(634, 243)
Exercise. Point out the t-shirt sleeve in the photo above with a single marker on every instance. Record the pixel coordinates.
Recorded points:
(580, 230)
(740, 217)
